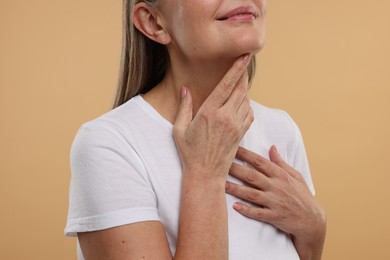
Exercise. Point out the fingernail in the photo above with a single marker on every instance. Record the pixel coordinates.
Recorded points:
(237, 206)
(245, 57)
(183, 92)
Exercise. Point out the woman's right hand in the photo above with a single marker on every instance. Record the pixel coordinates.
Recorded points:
(207, 145)
(208, 142)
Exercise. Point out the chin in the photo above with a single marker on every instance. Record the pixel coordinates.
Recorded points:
(256, 48)
(249, 44)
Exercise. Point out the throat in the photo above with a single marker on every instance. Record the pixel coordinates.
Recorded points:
(200, 80)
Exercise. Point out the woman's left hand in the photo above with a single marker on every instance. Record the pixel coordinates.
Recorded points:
(282, 198)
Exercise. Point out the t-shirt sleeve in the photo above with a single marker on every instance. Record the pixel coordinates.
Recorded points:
(109, 185)
(299, 158)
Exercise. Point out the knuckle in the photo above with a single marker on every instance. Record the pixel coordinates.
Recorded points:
(260, 215)
(298, 176)
(259, 162)
(227, 83)
(251, 177)
(253, 196)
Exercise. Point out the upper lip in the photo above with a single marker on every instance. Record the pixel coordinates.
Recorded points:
(239, 11)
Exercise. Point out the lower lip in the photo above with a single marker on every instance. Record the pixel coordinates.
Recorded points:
(241, 18)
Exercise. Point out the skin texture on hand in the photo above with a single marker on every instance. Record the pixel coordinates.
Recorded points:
(282, 198)
(206, 157)
(225, 115)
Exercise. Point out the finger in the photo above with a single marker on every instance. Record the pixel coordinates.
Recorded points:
(243, 109)
(246, 123)
(249, 176)
(184, 113)
(249, 118)
(263, 214)
(258, 162)
(246, 193)
(278, 160)
(238, 95)
(225, 87)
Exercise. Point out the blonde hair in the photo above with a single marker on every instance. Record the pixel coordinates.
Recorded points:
(143, 61)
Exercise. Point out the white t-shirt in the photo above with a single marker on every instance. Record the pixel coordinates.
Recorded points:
(125, 169)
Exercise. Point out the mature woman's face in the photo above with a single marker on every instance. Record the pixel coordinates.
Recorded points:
(207, 29)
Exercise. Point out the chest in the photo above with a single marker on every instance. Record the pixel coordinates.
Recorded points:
(248, 239)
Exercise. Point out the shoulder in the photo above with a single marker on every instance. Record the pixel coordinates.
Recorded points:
(118, 117)
(269, 113)
(274, 119)
(111, 131)
(112, 124)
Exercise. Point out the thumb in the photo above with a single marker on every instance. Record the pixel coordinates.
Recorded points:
(278, 160)
(184, 112)
(275, 156)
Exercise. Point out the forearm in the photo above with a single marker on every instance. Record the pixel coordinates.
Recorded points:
(203, 228)
(207, 143)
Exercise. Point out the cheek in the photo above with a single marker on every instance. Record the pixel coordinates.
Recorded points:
(189, 29)
(262, 4)
(195, 16)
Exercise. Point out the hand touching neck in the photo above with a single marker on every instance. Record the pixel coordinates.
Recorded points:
(200, 77)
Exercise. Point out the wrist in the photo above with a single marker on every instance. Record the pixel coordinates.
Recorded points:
(310, 243)
(206, 174)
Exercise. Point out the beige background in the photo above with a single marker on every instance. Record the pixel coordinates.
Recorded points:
(326, 62)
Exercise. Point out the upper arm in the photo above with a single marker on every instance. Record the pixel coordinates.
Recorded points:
(141, 240)
(109, 186)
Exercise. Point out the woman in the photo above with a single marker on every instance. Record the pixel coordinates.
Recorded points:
(179, 168)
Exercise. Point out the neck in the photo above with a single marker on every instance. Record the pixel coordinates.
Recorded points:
(199, 77)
